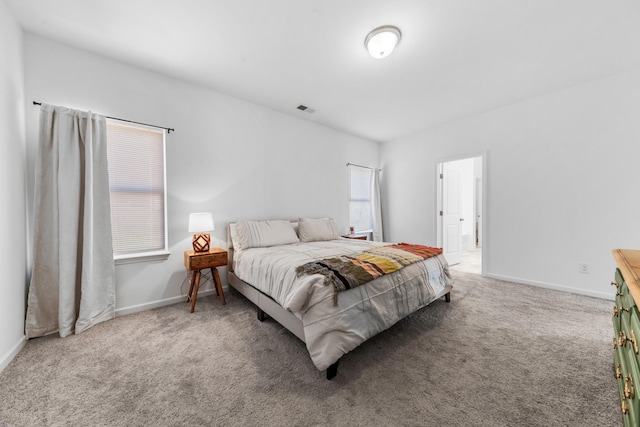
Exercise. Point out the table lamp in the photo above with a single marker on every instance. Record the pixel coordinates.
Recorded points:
(199, 223)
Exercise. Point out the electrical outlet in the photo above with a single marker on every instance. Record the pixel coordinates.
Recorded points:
(584, 268)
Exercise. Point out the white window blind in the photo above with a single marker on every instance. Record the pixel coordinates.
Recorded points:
(136, 156)
(360, 199)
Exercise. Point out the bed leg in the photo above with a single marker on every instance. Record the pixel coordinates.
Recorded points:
(261, 315)
(447, 297)
(332, 370)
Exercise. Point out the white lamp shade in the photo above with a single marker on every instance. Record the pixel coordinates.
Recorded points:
(199, 222)
(382, 41)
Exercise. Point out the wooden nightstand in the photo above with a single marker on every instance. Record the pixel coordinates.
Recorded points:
(197, 261)
(357, 237)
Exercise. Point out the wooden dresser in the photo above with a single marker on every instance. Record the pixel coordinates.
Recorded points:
(626, 326)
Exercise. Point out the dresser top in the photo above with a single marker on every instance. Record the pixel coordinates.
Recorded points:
(628, 261)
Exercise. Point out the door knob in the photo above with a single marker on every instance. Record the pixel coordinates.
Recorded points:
(461, 219)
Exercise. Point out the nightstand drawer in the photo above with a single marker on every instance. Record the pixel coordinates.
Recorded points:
(206, 260)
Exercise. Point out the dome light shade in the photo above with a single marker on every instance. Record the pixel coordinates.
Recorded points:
(199, 222)
(381, 41)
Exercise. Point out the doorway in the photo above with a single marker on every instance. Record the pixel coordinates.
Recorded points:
(460, 212)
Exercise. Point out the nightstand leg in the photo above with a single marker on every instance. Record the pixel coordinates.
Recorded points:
(193, 281)
(215, 283)
(194, 293)
(216, 280)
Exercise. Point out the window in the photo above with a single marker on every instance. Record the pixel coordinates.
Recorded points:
(360, 199)
(136, 156)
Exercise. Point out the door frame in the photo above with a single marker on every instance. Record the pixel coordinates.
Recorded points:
(437, 222)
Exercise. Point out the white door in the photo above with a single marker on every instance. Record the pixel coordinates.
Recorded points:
(451, 215)
(479, 213)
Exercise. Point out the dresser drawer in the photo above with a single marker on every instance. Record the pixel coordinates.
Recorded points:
(626, 326)
(626, 387)
(623, 296)
(630, 331)
(626, 362)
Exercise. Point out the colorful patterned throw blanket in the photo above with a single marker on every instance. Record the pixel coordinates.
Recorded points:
(350, 271)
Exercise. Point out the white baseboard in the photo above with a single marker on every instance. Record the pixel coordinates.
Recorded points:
(571, 290)
(8, 357)
(160, 303)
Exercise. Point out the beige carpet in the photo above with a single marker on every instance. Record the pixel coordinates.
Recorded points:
(500, 354)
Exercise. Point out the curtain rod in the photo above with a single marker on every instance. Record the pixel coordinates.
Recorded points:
(360, 166)
(169, 130)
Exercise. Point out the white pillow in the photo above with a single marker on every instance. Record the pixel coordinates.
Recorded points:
(260, 234)
(233, 235)
(315, 230)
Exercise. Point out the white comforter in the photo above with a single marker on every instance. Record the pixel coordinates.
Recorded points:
(332, 330)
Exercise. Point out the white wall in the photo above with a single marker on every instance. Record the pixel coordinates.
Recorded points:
(235, 159)
(13, 249)
(561, 183)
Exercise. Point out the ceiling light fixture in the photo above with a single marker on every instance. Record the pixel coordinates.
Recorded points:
(381, 41)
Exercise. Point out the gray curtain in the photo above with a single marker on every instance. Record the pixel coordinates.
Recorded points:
(376, 206)
(73, 279)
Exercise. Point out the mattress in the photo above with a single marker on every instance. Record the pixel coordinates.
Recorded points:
(332, 329)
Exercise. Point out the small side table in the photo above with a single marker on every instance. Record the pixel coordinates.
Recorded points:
(197, 261)
(356, 236)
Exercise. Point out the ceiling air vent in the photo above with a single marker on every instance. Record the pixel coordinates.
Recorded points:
(305, 109)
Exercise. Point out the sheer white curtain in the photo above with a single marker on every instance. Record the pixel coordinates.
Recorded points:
(73, 279)
(376, 206)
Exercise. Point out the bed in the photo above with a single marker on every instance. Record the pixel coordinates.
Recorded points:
(265, 259)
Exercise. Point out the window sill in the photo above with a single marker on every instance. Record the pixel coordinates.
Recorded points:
(144, 257)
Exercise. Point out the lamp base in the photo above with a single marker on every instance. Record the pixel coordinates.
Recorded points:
(201, 242)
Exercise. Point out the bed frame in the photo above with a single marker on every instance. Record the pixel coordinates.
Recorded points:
(266, 305)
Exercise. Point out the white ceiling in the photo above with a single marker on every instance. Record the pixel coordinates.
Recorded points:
(456, 58)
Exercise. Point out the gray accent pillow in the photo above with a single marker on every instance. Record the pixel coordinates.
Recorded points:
(317, 229)
(260, 234)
